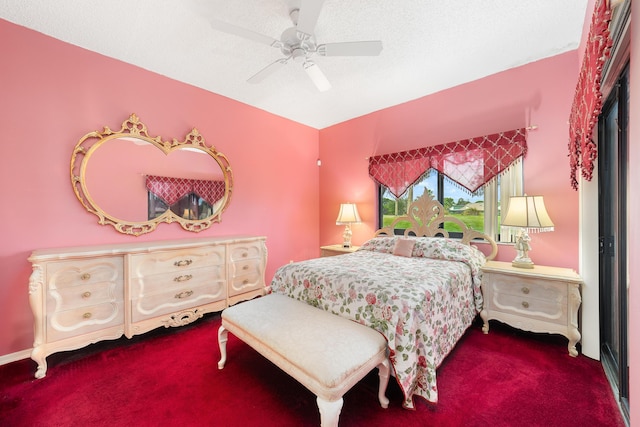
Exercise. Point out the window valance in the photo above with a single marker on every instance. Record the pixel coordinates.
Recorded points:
(471, 163)
(170, 189)
(587, 102)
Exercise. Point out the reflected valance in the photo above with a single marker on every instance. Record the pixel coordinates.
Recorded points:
(587, 102)
(170, 189)
(471, 163)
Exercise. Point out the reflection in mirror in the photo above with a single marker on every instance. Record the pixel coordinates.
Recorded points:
(133, 181)
(188, 198)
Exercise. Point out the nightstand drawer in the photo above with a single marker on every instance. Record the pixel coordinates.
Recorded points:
(529, 287)
(554, 311)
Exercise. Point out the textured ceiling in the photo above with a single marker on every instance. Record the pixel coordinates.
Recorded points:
(428, 45)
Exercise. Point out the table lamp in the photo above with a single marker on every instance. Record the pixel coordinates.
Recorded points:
(527, 214)
(348, 215)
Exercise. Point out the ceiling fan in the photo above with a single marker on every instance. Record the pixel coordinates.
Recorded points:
(298, 44)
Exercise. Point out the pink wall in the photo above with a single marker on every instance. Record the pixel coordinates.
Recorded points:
(54, 93)
(536, 94)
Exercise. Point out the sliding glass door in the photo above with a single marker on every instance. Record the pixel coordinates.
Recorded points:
(612, 173)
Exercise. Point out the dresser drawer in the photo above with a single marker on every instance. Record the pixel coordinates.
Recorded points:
(83, 295)
(553, 310)
(243, 251)
(82, 320)
(166, 302)
(177, 261)
(530, 287)
(249, 267)
(67, 274)
(143, 286)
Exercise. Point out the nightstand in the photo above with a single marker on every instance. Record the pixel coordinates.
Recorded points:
(541, 299)
(333, 250)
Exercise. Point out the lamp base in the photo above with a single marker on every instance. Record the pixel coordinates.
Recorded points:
(522, 260)
(522, 264)
(346, 236)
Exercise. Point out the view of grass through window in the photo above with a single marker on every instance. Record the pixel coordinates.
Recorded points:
(457, 202)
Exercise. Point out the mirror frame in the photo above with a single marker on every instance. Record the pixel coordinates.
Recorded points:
(133, 128)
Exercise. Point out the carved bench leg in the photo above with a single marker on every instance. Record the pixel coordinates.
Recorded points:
(329, 412)
(223, 336)
(383, 373)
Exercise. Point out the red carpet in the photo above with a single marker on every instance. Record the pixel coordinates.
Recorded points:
(170, 377)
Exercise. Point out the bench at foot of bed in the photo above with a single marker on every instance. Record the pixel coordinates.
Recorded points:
(324, 352)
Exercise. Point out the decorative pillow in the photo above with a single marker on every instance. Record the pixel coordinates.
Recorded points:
(404, 247)
(382, 244)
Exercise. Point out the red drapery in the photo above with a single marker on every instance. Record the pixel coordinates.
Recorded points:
(587, 102)
(172, 189)
(471, 162)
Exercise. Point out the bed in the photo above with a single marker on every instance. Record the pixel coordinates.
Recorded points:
(420, 290)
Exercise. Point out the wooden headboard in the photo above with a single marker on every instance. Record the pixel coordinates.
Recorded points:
(427, 219)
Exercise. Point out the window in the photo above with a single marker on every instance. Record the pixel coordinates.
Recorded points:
(480, 211)
(490, 166)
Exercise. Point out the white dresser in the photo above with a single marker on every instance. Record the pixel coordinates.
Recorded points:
(83, 295)
(541, 299)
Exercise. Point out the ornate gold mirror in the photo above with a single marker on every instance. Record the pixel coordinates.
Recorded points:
(134, 181)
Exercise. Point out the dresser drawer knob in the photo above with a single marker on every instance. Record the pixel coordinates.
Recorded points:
(525, 304)
(184, 294)
(246, 267)
(86, 316)
(244, 255)
(182, 278)
(245, 282)
(85, 276)
(525, 290)
(86, 295)
(183, 263)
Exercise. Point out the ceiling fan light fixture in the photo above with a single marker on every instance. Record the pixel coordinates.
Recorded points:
(298, 55)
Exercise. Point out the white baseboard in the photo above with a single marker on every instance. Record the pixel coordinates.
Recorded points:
(14, 357)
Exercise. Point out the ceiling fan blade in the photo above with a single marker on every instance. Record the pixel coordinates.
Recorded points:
(243, 32)
(308, 17)
(317, 76)
(368, 48)
(268, 70)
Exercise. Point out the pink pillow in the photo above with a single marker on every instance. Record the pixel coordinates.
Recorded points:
(404, 247)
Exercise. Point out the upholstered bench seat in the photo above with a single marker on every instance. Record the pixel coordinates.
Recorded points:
(324, 352)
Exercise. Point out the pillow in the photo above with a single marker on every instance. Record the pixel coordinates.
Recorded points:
(404, 247)
(382, 244)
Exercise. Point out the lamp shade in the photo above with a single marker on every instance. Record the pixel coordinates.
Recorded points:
(527, 212)
(348, 214)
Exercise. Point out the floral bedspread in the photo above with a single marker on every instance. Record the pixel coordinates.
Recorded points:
(422, 304)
